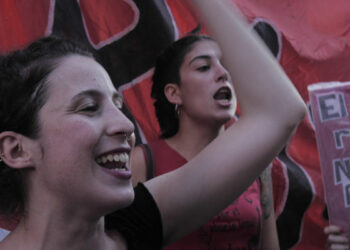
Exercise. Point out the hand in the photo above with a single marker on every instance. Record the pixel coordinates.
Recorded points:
(336, 240)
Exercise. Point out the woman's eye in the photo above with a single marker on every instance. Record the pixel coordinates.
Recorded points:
(203, 68)
(89, 108)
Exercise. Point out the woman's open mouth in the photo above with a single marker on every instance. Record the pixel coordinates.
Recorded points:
(113, 160)
(223, 96)
(115, 164)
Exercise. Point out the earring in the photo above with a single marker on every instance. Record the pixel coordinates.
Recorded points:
(177, 109)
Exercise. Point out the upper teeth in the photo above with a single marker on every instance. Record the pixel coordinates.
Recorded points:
(116, 157)
(223, 93)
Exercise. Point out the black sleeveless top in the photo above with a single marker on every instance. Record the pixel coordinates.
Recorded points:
(140, 223)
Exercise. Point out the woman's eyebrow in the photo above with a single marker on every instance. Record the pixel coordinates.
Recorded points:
(205, 57)
(87, 93)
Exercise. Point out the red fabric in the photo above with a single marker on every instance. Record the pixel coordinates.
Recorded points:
(22, 23)
(143, 110)
(103, 20)
(236, 227)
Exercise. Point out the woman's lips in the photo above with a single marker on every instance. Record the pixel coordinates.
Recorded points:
(123, 174)
(223, 96)
(115, 164)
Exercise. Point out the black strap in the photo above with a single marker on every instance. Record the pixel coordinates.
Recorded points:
(149, 160)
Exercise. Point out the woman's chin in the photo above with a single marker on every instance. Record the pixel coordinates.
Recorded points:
(124, 199)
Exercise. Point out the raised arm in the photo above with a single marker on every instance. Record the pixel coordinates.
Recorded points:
(271, 110)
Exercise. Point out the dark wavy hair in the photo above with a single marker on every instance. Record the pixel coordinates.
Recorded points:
(167, 71)
(23, 92)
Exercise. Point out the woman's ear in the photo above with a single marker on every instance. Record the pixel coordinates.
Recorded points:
(14, 150)
(173, 93)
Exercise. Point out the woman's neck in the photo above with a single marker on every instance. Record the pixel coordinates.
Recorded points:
(54, 222)
(192, 138)
(54, 233)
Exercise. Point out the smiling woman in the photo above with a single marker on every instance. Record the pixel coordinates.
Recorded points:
(23, 93)
(83, 116)
(65, 144)
(73, 159)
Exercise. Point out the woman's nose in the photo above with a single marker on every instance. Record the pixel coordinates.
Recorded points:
(221, 74)
(119, 124)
